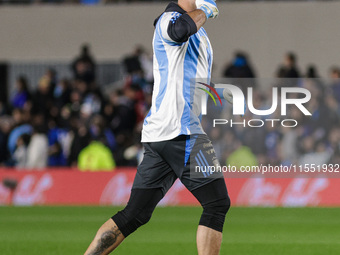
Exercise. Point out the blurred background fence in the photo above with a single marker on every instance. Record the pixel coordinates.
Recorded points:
(106, 72)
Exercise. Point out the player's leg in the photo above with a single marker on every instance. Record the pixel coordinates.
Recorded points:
(208, 240)
(208, 188)
(138, 212)
(153, 179)
(215, 202)
(108, 237)
(211, 191)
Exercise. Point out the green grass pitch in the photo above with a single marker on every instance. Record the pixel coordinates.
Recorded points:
(274, 231)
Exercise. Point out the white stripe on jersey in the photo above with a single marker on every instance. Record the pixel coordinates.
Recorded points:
(176, 105)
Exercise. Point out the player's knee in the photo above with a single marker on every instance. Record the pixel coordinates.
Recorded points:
(224, 205)
(220, 206)
(138, 211)
(214, 213)
(130, 219)
(144, 216)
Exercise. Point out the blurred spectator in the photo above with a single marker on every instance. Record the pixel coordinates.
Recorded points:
(146, 63)
(92, 104)
(238, 70)
(132, 62)
(51, 75)
(96, 157)
(21, 95)
(19, 129)
(125, 118)
(37, 150)
(42, 98)
(288, 147)
(335, 157)
(3, 108)
(81, 138)
(312, 72)
(334, 139)
(239, 67)
(61, 93)
(20, 154)
(59, 142)
(314, 152)
(255, 139)
(289, 67)
(6, 123)
(272, 141)
(243, 156)
(100, 132)
(84, 67)
(335, 82)
(139, 70)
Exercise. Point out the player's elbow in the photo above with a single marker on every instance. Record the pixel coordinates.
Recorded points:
(178, 34)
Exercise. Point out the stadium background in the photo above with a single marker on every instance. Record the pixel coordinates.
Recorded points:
(64, 111)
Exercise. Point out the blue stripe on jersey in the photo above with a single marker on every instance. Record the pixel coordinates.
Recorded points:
(163, 64)
(190, 70)
(209, 55)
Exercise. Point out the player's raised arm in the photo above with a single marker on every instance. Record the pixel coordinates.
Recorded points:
(206, 7)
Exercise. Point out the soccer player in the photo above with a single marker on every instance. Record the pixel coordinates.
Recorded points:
(172, 132)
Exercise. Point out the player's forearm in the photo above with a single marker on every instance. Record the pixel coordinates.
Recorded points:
(199, 17)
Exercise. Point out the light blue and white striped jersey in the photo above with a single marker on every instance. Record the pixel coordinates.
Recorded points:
(176, 105)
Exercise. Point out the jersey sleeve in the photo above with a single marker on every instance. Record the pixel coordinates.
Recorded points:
(176, 27)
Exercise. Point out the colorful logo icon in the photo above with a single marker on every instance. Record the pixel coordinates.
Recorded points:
(209, 93)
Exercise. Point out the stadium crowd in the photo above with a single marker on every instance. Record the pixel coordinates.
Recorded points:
(70, 122)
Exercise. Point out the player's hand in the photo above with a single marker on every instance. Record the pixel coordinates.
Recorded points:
(209, 7)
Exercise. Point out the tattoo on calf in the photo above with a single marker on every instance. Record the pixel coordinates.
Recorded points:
(107, 239)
